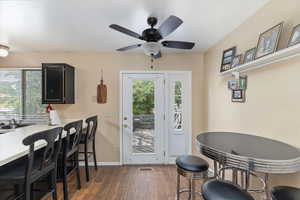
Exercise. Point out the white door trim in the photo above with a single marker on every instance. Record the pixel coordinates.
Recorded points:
(189, 126)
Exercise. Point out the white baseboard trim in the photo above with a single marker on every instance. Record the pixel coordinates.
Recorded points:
(171, 160)
(101, 163)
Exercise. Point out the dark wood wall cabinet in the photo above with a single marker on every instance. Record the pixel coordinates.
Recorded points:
(58, 83)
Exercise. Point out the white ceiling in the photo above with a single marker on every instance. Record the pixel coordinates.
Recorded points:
(82, 25)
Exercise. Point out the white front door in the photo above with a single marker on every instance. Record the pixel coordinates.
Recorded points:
(143, 112)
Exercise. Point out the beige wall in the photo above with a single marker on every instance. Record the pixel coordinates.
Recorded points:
(272, 107)
(88, 66)
(273, 93)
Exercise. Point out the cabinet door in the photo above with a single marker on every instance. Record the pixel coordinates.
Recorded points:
(53, 84)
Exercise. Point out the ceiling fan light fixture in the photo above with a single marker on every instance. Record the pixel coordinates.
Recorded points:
(151, 48)
(4, 50)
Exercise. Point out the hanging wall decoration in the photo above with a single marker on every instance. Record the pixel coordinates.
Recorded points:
(238, 88)
(238, 96)
(102, 91)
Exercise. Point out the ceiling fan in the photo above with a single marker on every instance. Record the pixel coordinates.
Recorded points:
(152, 36)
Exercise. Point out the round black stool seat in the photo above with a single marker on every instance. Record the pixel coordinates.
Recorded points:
(222, 190)
(285, 193)
(192, 163)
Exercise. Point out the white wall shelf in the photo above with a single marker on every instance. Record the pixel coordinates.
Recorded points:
(279, 56)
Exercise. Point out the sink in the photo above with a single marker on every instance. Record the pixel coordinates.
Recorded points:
(6, 127)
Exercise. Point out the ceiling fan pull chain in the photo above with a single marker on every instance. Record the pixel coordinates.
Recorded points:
(151, 62)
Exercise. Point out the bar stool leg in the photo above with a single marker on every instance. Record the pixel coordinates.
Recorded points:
(190, 189)
(87, 174)
(53, 185)
(94, 155)
(267, 191)
(235, 176)
(178, 186)
(242, 180)
(193, 194)
(77, 170)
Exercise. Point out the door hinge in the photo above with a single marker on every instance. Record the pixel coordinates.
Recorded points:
(164, 153)
(164, 116)
(164, 81)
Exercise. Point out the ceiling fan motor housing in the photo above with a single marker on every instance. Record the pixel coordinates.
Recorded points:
(151, 35)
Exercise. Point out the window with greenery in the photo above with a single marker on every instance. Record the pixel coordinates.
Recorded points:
(143, 97)
(20, 94)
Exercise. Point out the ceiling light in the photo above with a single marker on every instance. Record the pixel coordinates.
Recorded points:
(3, 50)
(151, 48)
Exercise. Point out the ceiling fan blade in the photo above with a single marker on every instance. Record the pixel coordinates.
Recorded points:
(126, 31)
(157, 55)
(129, 47)
(169, 25)
(178, 44)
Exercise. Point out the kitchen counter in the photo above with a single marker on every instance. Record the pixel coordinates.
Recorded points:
(11, 146)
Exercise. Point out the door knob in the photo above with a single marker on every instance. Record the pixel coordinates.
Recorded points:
(125, 118)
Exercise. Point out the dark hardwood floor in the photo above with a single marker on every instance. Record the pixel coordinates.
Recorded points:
(126, 183)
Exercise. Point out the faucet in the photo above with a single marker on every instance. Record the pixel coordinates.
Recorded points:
(13, 123)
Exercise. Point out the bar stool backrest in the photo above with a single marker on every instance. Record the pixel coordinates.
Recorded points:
(92, 124)
(41, 162)
(72, 139)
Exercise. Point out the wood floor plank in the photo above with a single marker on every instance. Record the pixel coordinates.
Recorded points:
(126, 183)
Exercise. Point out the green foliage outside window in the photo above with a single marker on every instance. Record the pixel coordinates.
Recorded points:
(20, 93)
(143, 97)
(33, 100)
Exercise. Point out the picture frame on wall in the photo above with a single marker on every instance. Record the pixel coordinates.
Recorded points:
(243, 83)
(233, 84)
(236, 61)
(295, 36)
(238, 95)
(249, 55)
(227, 58)
(268, 41)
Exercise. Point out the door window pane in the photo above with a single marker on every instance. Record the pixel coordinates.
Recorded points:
(177, 120)
(143, 116)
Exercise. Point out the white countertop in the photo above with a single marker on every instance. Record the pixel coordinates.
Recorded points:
(11, 143)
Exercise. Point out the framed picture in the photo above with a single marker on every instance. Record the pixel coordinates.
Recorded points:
(243, 83)
(233, 84)
(268, 41)
(238, 95)
(236, 61)
(249, 55)
(295, 36)
(227, 58)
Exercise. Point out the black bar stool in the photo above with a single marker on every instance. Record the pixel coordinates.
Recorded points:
(87, 138)
(285, 193)
(193, 168)
(38, 164)
(222, 190)
(69, 158)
